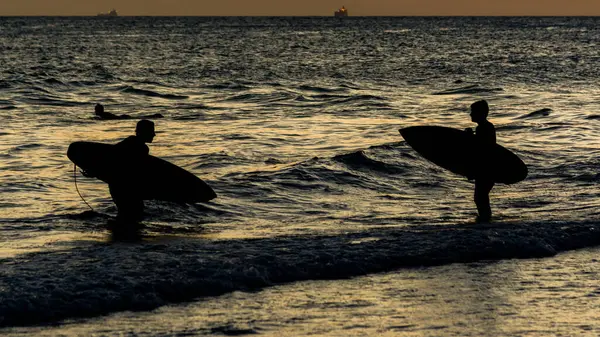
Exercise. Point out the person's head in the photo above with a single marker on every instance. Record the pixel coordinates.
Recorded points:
(99, 109)
(145, 130)
(479, 111)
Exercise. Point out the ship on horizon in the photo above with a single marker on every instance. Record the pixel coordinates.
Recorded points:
(342, 12)
(113, 12)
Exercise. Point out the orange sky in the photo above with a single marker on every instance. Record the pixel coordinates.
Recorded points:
(301, 7)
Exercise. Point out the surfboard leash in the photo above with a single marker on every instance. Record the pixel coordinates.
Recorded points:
(77, 188)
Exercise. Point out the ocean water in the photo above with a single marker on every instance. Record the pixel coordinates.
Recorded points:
(326, 221)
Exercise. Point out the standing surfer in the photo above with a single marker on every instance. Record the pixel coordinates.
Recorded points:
(485, 139)
(131, 152)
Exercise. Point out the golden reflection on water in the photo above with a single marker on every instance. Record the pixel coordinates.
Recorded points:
(182, 143)
(269, 139)
(55, 241)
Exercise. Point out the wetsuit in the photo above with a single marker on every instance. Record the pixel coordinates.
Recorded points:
(485, 137)
(130, 206)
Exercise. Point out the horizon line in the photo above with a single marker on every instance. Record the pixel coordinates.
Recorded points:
(306, 16)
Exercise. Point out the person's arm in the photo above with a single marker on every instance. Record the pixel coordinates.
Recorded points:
(483, 139)
(87, 174)
(471, 133)
(145, 150)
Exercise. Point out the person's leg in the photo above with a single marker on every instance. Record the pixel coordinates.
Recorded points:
(136, 209)
(129, 207)
(482, 199)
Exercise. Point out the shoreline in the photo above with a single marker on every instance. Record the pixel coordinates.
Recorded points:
(109, 277)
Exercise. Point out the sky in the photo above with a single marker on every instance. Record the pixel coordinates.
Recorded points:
(301, 7)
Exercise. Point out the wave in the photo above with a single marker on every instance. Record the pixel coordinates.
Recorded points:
(576, 170)
(312, 174)
(23, 186)
(361, 168)
(345, 98)
(586, 178)
(364, 169)
(227, 86)
(33, 89)
(397, 31)
(190, 117)
(26, 147)
(53, 81)
(217, 160)
(101, 72)
(359, 160)
(83, 83)
(536, 114)
(194, 107)
(551, 128)
(512, 127)
(332, 99)
(150, 82)
(51, 102)
(150, 93)
(327, 100)
(471, 89)
(366, 99)
(100, 278)
(261, 98)
(320, 89)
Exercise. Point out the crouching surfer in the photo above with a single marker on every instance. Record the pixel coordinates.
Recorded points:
(485, 139)
(130, 152)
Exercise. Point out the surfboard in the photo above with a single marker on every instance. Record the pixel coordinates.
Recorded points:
(150, 177)
(455, 150)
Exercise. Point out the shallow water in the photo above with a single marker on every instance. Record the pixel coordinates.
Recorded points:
(536, 297)
(294, 122)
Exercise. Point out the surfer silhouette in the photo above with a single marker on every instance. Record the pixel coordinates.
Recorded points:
(131, 151)
(101, 114)
(485, 139)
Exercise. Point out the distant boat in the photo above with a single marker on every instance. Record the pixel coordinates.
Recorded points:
(111, 13)
(342, 12)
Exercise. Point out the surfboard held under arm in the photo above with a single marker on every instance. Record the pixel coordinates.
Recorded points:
(151, 177)
(457, 151)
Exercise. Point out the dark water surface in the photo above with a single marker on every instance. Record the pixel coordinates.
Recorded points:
(534, 297)
(293, 122)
